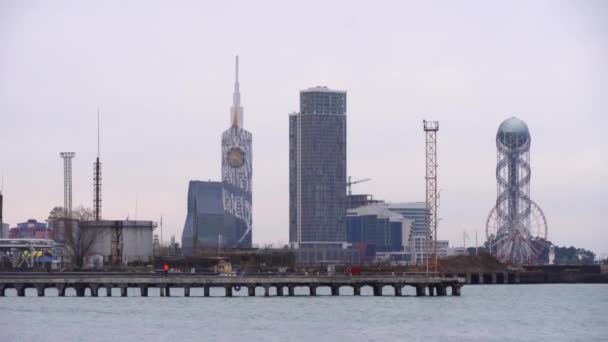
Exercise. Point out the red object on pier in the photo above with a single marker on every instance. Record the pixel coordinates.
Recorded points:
(353, 271)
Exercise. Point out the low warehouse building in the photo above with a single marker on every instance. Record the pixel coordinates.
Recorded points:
(118, 242)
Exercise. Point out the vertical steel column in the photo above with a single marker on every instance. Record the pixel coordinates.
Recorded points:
(67, 182)
(431, 128)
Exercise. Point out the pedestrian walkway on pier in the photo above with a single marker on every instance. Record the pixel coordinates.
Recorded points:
(285, 284)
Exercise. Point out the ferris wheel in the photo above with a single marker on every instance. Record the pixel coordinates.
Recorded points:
(517, 242)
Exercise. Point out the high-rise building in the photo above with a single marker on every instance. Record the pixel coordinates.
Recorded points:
(219, 213)
(317, 168)
(237, 171)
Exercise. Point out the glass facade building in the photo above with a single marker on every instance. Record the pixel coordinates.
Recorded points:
(375, 225)
(204, 227)
(418, 235)
(317, 168)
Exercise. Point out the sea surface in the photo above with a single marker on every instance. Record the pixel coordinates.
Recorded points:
(483, 313)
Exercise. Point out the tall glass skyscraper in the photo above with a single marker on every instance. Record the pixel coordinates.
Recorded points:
(317, 168)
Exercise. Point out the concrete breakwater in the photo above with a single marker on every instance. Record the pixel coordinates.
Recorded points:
(285, 284)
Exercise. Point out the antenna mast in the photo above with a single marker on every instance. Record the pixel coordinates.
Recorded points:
(97, 177)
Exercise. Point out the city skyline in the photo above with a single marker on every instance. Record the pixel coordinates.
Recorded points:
(162, 100)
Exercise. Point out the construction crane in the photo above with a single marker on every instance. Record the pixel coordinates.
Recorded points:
(350, 183)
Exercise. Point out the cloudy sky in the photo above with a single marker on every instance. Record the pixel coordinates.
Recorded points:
(163, 77)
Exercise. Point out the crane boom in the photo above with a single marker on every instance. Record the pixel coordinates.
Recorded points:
(350, 182)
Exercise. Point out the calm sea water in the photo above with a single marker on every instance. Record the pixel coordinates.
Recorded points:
(482, 313)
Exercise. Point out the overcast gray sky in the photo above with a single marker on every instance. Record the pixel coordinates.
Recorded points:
(163, 76)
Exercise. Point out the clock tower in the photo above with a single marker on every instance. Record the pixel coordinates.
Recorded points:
(236, 175)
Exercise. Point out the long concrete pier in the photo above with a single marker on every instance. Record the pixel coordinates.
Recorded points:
(285, 284)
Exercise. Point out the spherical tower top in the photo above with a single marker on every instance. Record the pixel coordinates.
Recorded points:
(513, 133)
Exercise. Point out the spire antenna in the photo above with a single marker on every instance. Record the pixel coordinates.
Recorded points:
(237, 69)
(236, 111)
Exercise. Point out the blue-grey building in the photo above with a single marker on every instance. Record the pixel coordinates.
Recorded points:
(418, 246)
(317, 168)
(375, 227)
(204, 227)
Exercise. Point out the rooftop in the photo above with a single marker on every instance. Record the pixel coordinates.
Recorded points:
(323, 89)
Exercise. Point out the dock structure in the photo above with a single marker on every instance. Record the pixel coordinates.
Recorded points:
(284, 284)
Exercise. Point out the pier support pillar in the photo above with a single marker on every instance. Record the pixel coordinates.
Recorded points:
(123, 291)
(455, 290)
(162, 291)
(494, 278)
(109, 291)
(80, 290)
(481, 280)
(468, 277)
(505, 277)
(187, 291)
(335, 290)
(398, 290)
(356, 290)
(143, 291)
(251, 291)
(378, 290)
(2, 294)
(441, 290)
(61, 290)
(420, 291)
(266, 291)
(313, 290)
(167, 291)
(94, 291)
(291, 290)
(206, 291)
(228, 291)
(40, 290)
(20, 290)
(431, 290)
(280, 290)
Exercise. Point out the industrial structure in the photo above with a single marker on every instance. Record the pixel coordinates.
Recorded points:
(117, 242)
(220, 213)
(516, 222)
(97, 178)
(431, 128)
(67, 182)
(317, 172)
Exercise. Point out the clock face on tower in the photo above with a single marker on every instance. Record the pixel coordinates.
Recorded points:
(236, 157)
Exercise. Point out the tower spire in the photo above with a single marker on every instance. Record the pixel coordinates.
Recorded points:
(236, 97)
(236, 112)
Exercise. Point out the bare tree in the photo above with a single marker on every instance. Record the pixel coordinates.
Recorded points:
(79, 242)
(78, 239)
